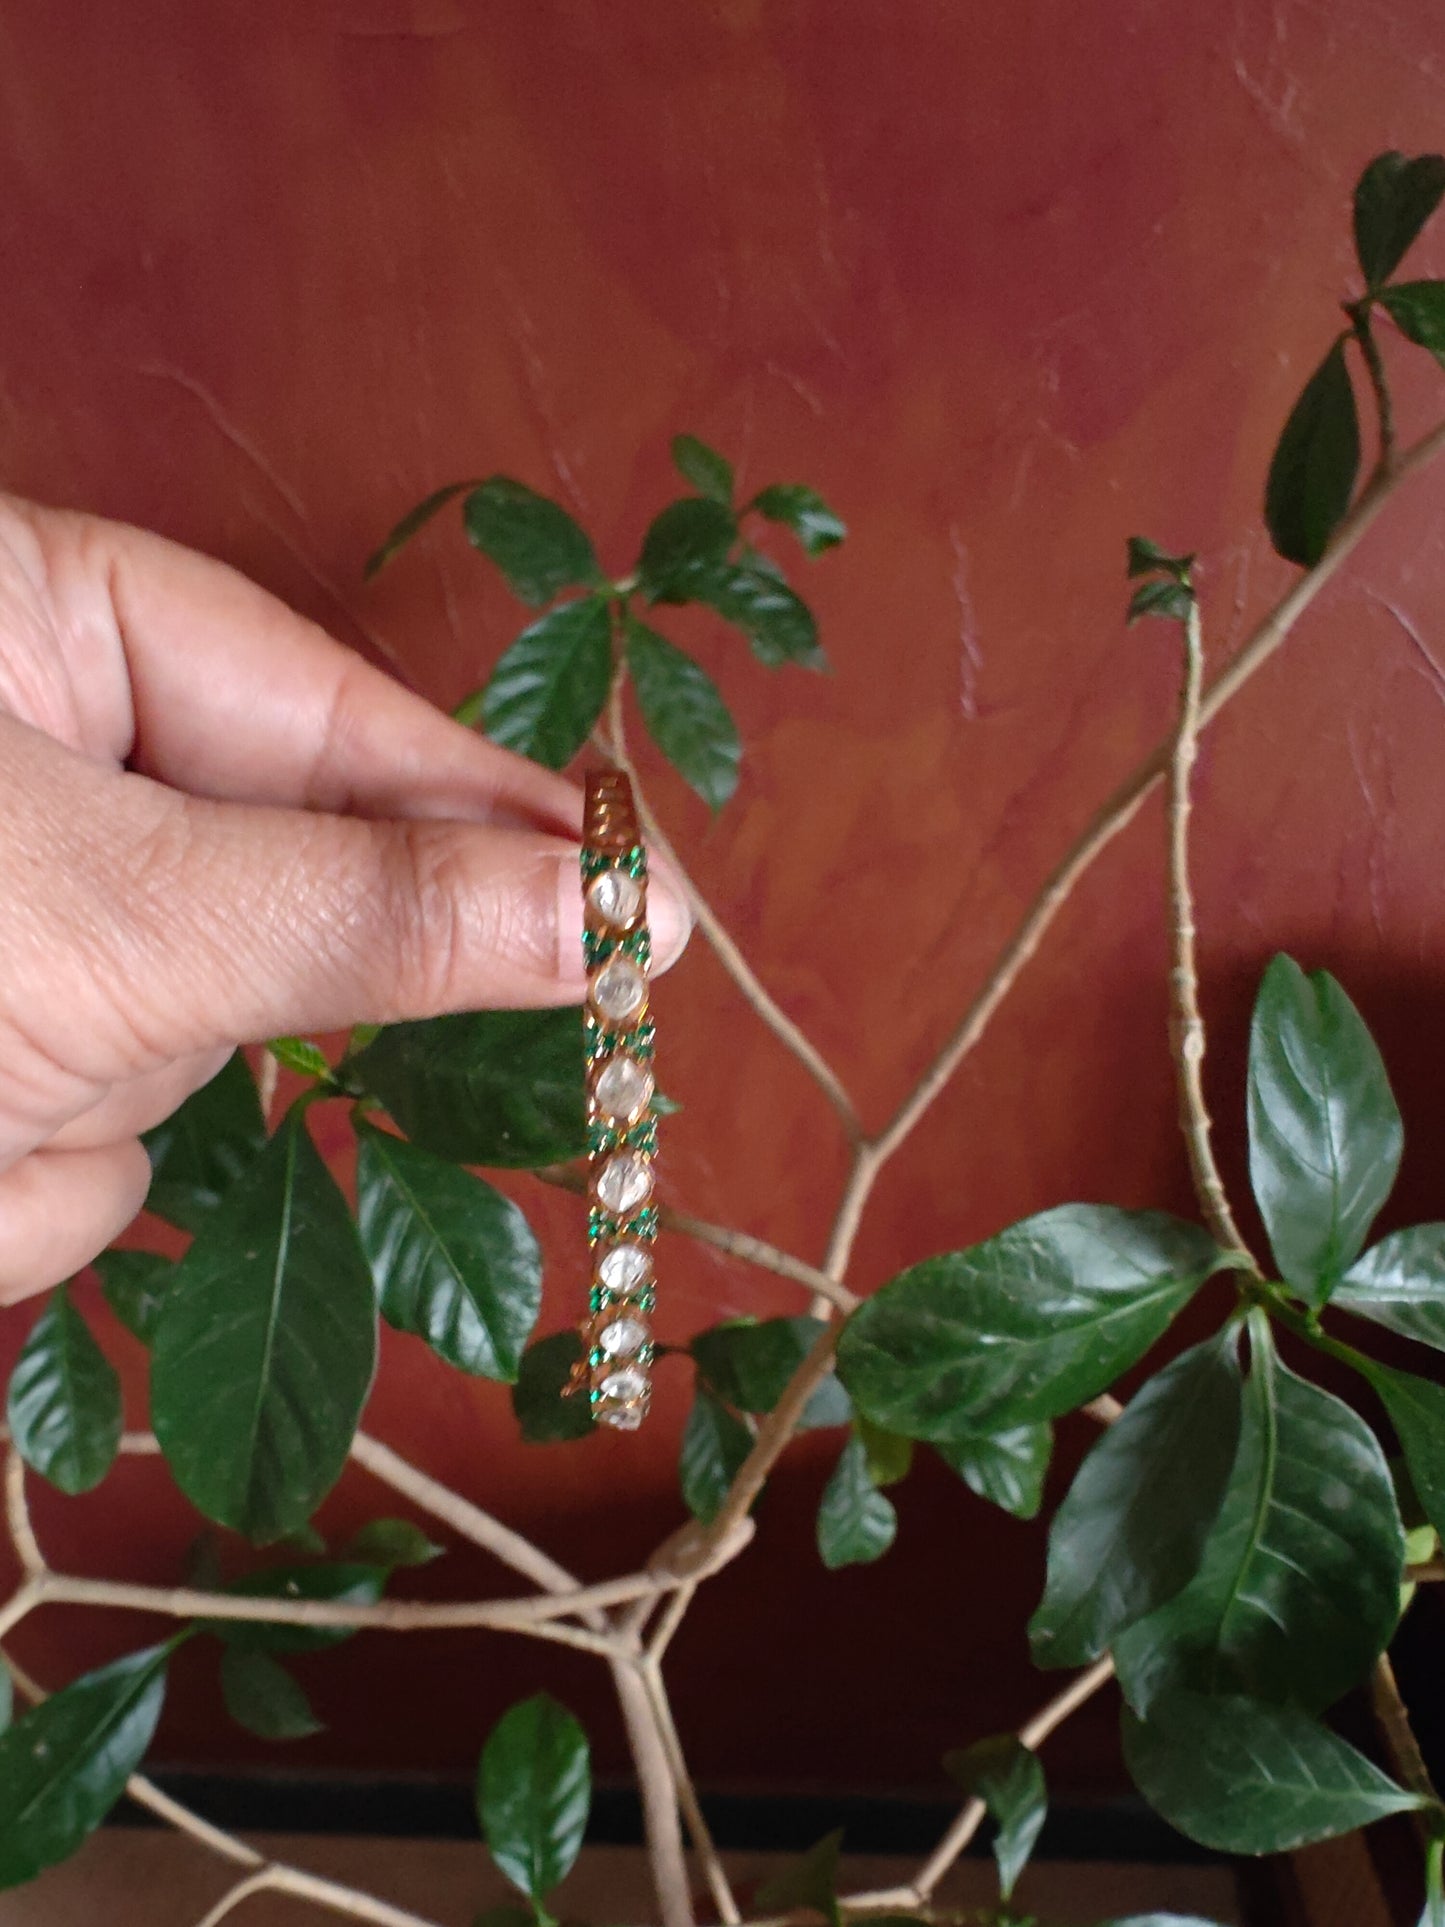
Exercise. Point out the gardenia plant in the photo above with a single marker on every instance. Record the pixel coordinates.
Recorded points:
(1237, 1548)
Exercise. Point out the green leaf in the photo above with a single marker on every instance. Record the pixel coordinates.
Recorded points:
(1130, 1533)
(686, 548)
(336, 1582)
(498, 1087)
(1144, 557)
(685, 714)
(536, 544)
(890, 1455)
(812, 1882)
(262, 1697)
(1162, 597)
(778, 624)
(1418, 310)
(549, 688)
(546, 1415)
(748, 1363)
(1298, 1588)
(412, 522)
(1006, 1468)
(1023, 1327)
(454, 1261)
(392, 1543)
(711, 474)
(266, 1345)
(64, 1406)
(64, 1765)
(1417, 1412)
(1394, 198)
(135, 1284)
(1312, 473)
(7, 1700)
(534, 1790)
(205, 1146)
(300, 1054)
(1006, 1775)
(1324, 1131)
(1242, 1777)
(1434, 1914)
(804, 511)
(714, 1445)
(1400, 1284)
(856, 1523)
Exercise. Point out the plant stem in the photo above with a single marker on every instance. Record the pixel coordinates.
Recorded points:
(1393, 1717)
(1359, 313)
(1187, 1037)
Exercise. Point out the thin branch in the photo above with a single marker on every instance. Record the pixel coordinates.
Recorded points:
(387, 1615)
(1393, 1717)
(1124, 805)
(1187, 1037)
(728, 954)
(1359, 313)
(703, 1844)
(658, 1790)
(737, 1244)
(17, 1517)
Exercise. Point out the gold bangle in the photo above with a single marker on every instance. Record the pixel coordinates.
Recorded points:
(621, 1124)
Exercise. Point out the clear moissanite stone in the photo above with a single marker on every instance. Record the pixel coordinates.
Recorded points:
(626, 1383)
(619, 990)
(626, 1418)
(625, 1182)
(615, 897)
(622, 1337)
(625, 1269)
(623, 1089)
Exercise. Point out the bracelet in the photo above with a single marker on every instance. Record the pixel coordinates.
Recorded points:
(621, 1125)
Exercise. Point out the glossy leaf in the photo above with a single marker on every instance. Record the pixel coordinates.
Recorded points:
(1324, 1130)
(1163, 597)
(549, 688)
(856, 1523)
(545, 1413)
(711, 474)
(1130, 1533)
(777, 623)
(392, 1543)
(1417, 1411)
(1316, 460)
(1418, 310)
(498, 1087)
(1144, 557)
(1243, 1777)
(454, 1261)
(686, 548)
(264, 1698)
(1006, 1468)
(804, 511)
(714, 1445)
(890, 1455)
(1006, 1775)
(265, 1345)
(685, 714)
(1298, 1587)
(200, 1151)
(810, 1882)
(1394, 198)
(412, 523)
(534, 1790)
(1023, 1327)
(64, 1405)
(1400, 1284)
(301, 1055)
(64, 1765)
(748, 1363)
(337, 1582)
(7, 1699)
(534, 542)
(135, 1284)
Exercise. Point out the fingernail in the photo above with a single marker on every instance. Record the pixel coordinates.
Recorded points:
(668, 916)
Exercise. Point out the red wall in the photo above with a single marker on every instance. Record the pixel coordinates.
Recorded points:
(1007, 284)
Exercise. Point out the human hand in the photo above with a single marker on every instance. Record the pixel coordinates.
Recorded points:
(221, 826)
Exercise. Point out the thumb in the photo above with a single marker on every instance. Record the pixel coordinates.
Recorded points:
(187, 923)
